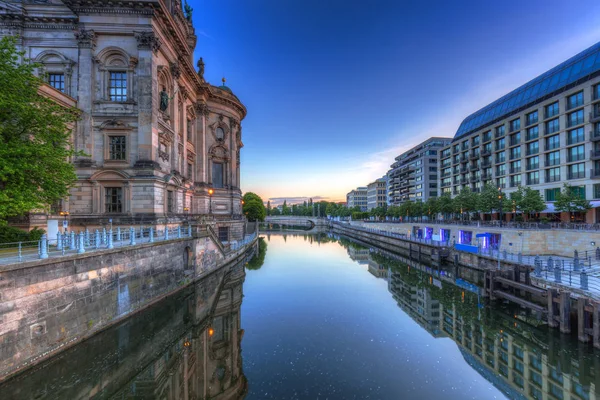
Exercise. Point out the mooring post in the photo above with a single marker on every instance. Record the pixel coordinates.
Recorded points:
(581, 321)
(551, 308)
(565, 311)
(596, 322)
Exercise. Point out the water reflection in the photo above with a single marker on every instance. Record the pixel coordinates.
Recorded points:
(509, 347)
(185, 347)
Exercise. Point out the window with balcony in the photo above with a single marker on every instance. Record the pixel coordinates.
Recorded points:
(575, 118)
(533, 132)
(515, 139)
(576, 171)
(575, 136)
(597, 191)
(515, 180)
(501, 157)
(578, 191)
(532, 117)
(533, 148)
(575, 100)
(515, 124)
(515, 153)
(533, 178)
(487, 136)
(487, 148)
(553, 159)
(515, 167)
(553, 174)
(552, 126)
(456, 148)
(596, 93)
(533, 163)
(475, 141)
(465, 145)
(501, 170)
(445, 153)
(500, 144)
(576, 153)
(113, 200)
(553, 142)
(551, 110)
(501, 182)
(500, 130)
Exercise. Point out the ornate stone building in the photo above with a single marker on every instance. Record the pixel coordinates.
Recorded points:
(161, 144)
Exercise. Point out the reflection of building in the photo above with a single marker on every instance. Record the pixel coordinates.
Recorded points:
(505, 351)
(377, 270)
(417, 303)
(357, 198)
(359, 254)
(156, 135)
(376, 193)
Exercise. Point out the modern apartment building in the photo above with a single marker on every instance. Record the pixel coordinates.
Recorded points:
(357, 197)
(414, 175)
(541, 135)
(376, 193)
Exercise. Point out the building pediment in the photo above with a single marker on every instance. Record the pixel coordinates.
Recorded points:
(109, 175)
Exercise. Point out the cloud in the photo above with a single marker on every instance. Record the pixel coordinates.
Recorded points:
(206, 35)
(276, 201)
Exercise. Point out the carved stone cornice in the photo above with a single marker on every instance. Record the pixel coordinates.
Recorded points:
(163, 155)
(86, 39)
(175, 69)
(184, 92)
(233, 123)
(202, 108)
(148, 40)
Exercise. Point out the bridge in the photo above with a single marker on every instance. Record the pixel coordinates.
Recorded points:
(308, 223)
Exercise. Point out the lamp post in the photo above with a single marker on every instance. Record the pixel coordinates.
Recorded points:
(64, 214)
(210, 193)
(500, 201)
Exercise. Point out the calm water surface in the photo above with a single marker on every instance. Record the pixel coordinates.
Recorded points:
(318, 317)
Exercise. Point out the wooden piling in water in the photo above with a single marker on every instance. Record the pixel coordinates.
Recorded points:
(565, 311)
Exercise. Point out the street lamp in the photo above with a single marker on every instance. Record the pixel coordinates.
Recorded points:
(64, 214)
(210, 193)
(500, 201)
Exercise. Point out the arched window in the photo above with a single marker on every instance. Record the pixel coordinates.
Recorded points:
(115, 69)
(220, 134)
(56, 69)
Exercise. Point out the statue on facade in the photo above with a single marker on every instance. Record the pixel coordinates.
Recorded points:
(188, 11)
(164, 99)
(201, 68)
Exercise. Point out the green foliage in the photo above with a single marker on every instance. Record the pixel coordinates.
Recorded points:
(9, 234)
(568, 201)
(432, 207)
(489, 199)
(35, 135)
(253, 207)
(532, 202)
(360, 215)
(446, 204)
(259, 258)
(269, 207)
(465, 202)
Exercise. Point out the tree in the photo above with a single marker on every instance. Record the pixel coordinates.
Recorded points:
(285, 210)
(465, 202)
(269, 207)
(532, 202)
(254, 208)
(489, 199)
(568, 200)
(432, 207)
(35, 134)
(446, 204)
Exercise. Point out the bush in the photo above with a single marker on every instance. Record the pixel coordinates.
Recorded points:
(544, 220)
(360, 215)
(10, 234)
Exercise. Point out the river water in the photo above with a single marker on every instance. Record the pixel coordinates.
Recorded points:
(322, 317)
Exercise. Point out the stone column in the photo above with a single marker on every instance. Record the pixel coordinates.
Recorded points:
(147, 87)
(84, 138)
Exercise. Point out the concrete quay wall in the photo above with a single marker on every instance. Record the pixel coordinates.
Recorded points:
(560, 242)
(48, 305)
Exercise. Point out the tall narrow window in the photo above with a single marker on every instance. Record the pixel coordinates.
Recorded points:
(57, 81)
(113, 201)
(170, 201)
(189, 130)
(117, 86)
(217, 174)
(190, 170)
(117, 148)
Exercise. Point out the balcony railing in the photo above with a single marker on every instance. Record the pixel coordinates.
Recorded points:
(533, 181)
(500, 160)
(502, 185)
(500, 172)
(514, 142)
(531, 152)
(552, 178)
(515, 156)
(486, 138)
(595, 173)
(486, 164)
(576, 175)
(595, 115)
(486, 177)
(486, 152)
(515, 170)
(595, 135)
(473, 178)
(474, 156)
(533, 166)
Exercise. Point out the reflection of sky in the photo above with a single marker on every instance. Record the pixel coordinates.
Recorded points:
(317, 325)
(336, 89)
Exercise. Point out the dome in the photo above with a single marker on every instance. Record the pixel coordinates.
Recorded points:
(225, 88)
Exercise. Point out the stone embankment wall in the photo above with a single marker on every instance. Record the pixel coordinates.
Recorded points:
(46, 305)
(559, 242)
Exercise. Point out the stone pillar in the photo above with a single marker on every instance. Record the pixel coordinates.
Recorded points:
(552, 293)
(581, 320)
(84, 138)
(565, 311)
(147, 85)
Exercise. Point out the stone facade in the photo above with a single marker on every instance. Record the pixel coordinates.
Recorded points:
(48, 304)
(357, 197)
(161, 143)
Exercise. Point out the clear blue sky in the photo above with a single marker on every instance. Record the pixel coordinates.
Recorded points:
(336, 89)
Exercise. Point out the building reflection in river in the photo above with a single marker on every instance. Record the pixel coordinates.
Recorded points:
(186, 347)
(509, 348)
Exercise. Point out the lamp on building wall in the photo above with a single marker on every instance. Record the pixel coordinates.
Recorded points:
(210, 193)
(64, 214)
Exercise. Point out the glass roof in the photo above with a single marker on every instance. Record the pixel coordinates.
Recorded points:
(580, 66)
